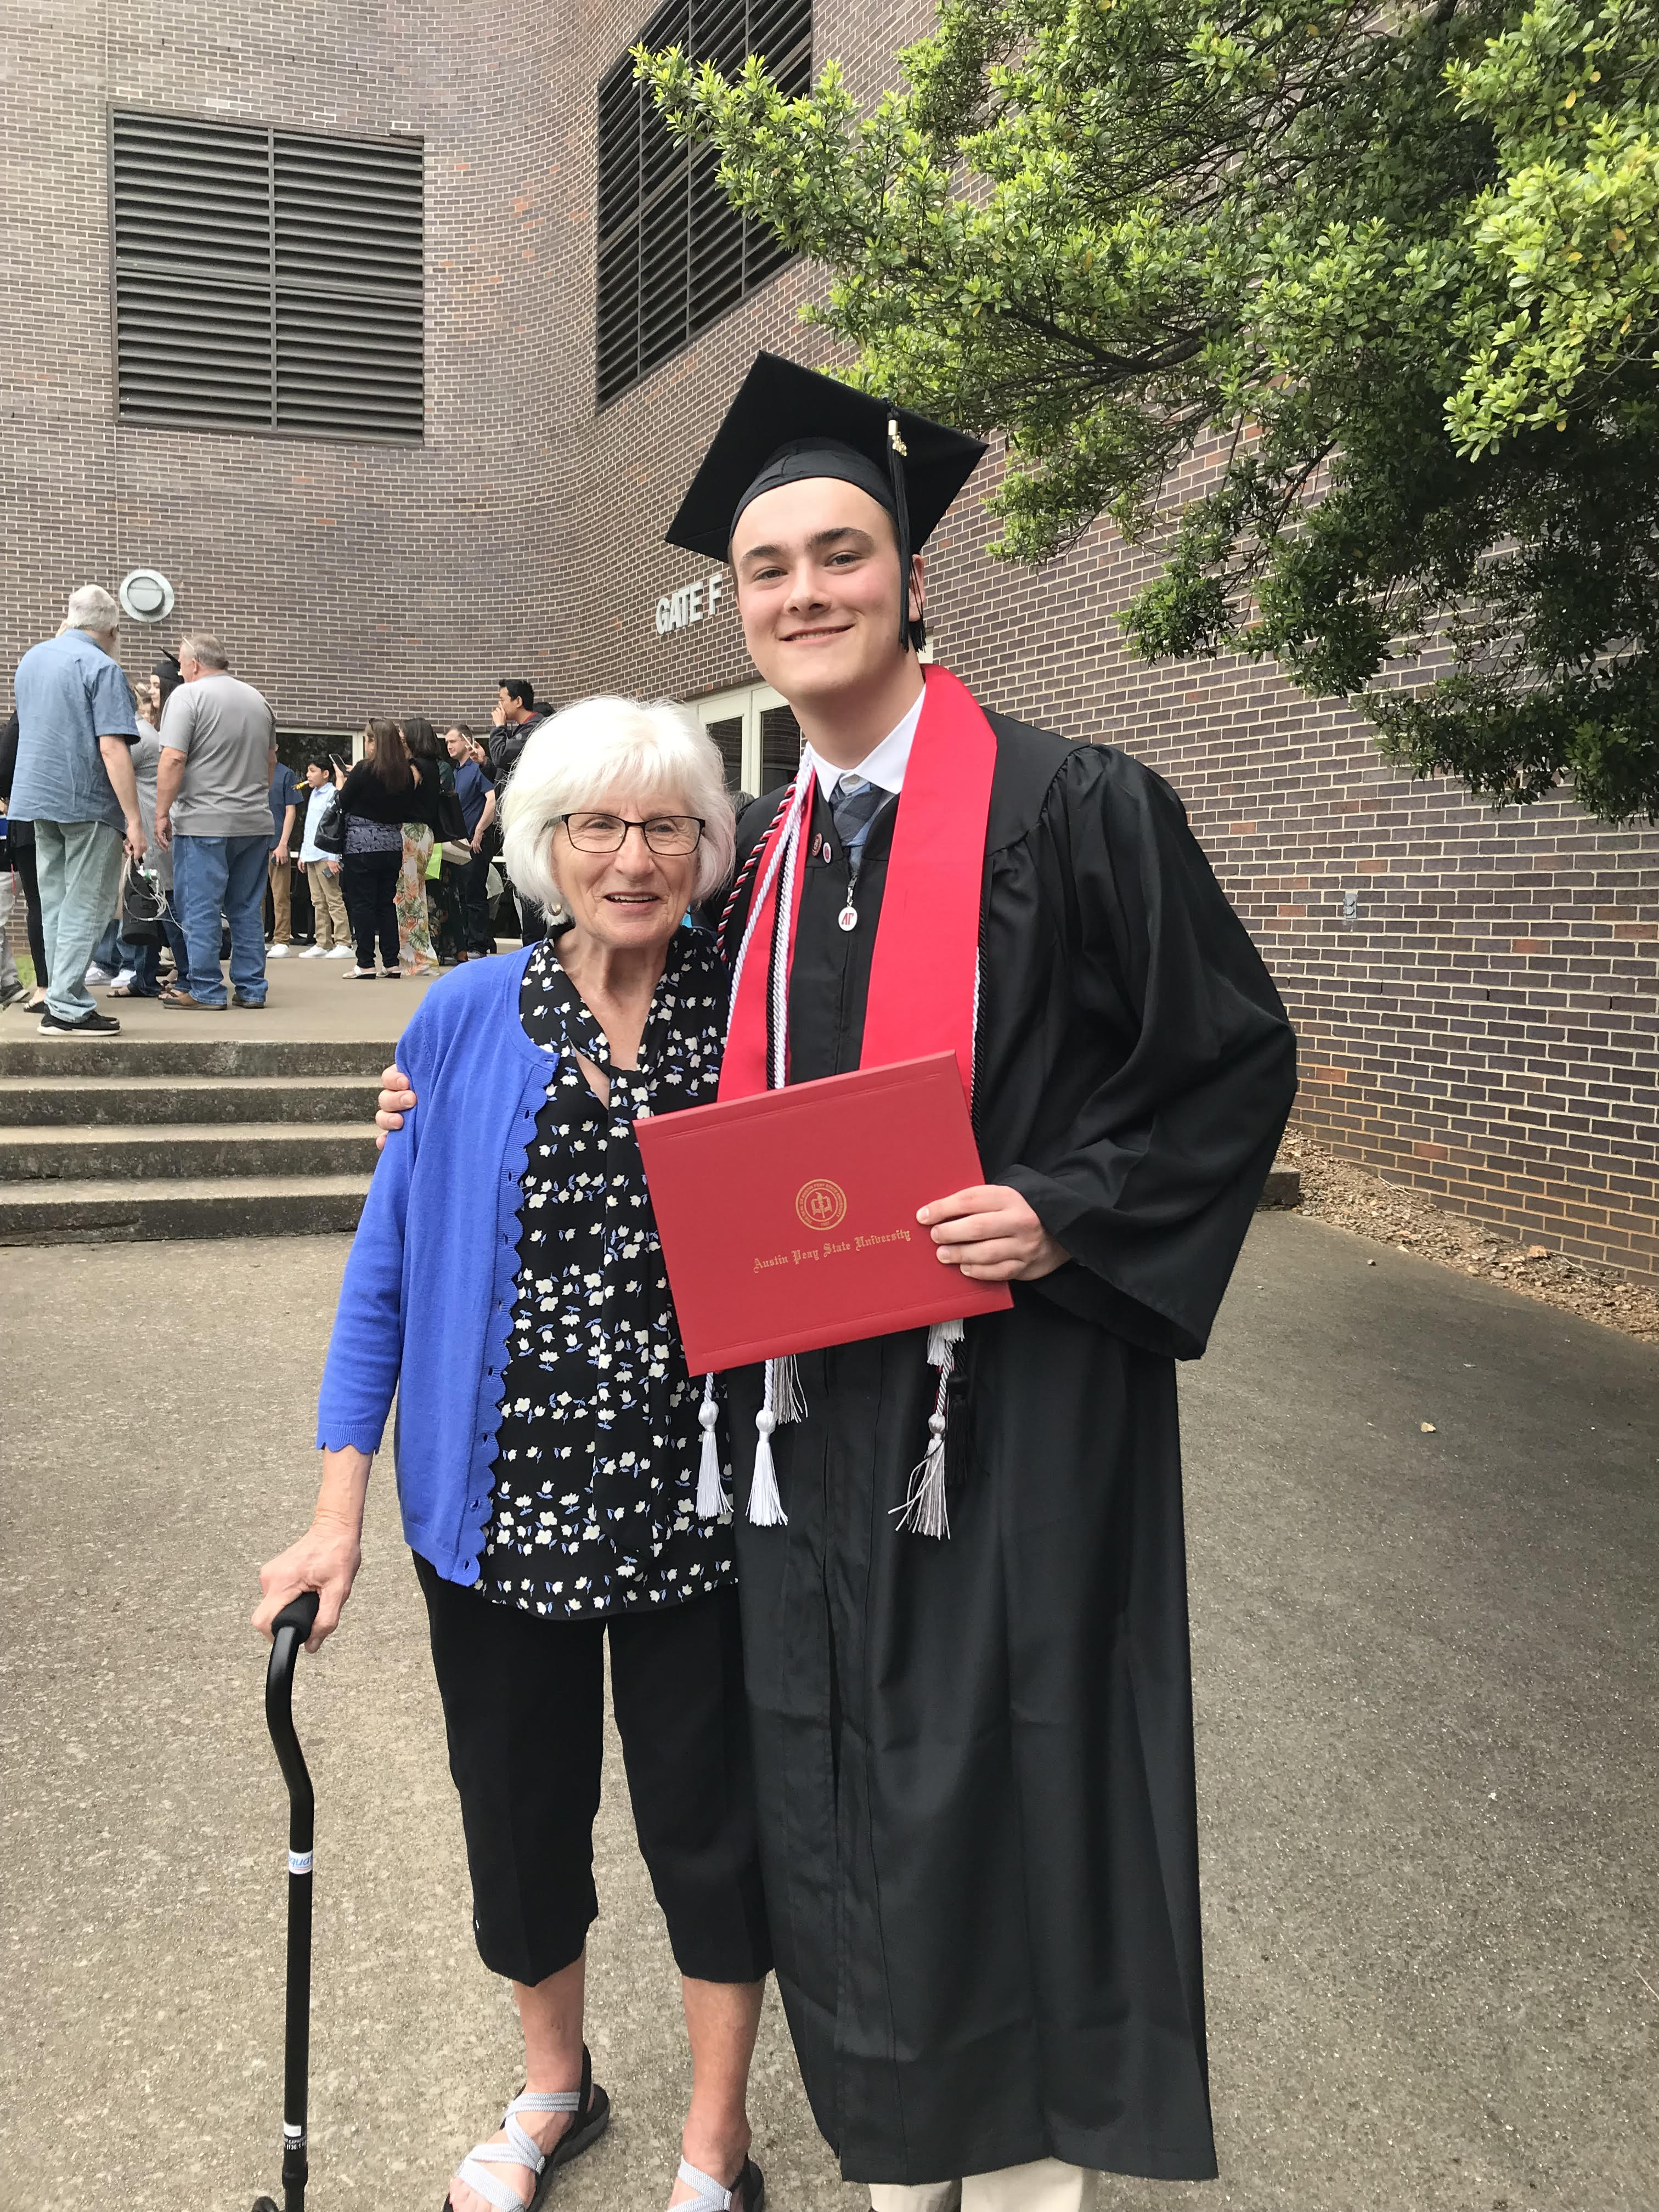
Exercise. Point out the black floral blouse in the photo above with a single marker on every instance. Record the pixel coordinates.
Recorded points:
(594, 1504)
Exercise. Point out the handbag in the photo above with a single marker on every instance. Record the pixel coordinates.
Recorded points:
(457, 853)
(329, 835)
(141, 905)
(450, 823)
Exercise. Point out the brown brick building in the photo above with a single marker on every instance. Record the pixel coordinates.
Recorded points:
(1475, 993)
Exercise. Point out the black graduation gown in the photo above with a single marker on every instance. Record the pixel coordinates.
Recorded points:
(974, 1756)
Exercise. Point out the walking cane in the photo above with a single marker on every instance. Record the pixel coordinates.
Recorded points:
(288, 1631)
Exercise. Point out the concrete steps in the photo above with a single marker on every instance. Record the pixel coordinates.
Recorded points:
(138, 1139)
(141, 1139)
(120, 1211)
(68, 1102)
(195, 1055)
(177, 1150)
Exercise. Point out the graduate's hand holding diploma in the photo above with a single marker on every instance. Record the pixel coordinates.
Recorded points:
(992, 1235)
(989, 1230)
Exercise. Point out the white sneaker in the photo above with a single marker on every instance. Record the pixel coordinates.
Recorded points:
(97, 974)
(126, 980)
(340, 952)
(313, 952)
(278, 952)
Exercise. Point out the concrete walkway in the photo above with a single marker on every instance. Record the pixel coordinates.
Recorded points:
(308, 1000)
(1426, 1762)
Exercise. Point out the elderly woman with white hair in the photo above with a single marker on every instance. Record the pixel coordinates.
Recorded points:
(548, 1459)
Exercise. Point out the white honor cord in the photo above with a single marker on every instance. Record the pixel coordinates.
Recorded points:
(712, 1503)
(778, 973)
(923, 1512)
(765, 1505)
(973, 1043)
(757, 900)
(781, 1400)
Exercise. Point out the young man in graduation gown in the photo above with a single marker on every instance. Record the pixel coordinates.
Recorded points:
(973, 1751)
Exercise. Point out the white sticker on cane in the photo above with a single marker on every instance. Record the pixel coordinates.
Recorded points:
(300, 1861)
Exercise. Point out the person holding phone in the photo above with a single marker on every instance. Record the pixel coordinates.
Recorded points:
(322, 870)
(384, 790)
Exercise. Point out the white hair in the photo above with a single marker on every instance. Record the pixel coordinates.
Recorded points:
(622, 751)
(201, 645)
(92, 608)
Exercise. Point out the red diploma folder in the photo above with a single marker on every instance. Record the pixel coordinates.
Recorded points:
(788, 1220)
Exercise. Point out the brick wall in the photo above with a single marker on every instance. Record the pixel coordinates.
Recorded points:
(1484, 1028)
(346, 579)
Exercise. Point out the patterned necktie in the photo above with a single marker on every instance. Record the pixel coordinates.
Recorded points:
(854, 803)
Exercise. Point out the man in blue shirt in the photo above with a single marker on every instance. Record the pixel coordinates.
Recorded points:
(478, 811)
(75, 782)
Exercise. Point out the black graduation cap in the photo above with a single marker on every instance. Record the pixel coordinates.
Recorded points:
(808, 425)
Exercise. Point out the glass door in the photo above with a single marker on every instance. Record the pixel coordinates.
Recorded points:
(758, 737)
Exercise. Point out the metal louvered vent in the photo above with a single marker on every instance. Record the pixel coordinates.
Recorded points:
(672, 253)
(267, 280)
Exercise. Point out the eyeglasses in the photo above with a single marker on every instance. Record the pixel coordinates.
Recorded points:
(665, 833)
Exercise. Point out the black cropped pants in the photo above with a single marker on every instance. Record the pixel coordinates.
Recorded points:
(524, 1707)
(369, 881)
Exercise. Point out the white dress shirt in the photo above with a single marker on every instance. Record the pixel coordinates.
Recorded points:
(886, 765)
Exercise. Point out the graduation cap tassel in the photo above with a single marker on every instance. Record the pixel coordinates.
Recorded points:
(924, 1512)
(712, 1503)
(909, 632)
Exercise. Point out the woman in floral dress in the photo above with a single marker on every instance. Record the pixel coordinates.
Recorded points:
(414, 937)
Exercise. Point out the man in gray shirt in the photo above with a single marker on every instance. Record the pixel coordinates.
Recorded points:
(218, 746)
(74, 781)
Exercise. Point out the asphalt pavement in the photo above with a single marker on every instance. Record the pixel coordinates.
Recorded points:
(1425, 1663)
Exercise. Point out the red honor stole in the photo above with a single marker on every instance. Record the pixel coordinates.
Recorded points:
(923, 969)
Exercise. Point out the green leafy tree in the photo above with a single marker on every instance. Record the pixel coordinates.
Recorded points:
(1397, 275)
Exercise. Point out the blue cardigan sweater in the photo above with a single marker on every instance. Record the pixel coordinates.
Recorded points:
(427, 1301)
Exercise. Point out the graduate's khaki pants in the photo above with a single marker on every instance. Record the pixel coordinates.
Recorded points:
(1045, 2185)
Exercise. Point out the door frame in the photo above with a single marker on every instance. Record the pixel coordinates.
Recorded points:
(750, 702)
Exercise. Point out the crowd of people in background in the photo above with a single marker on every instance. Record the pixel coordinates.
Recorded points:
(152, 832)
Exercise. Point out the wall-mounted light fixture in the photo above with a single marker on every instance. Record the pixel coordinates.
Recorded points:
(146, 595)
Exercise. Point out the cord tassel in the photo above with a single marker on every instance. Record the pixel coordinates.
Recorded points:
(942, 1341)
(765, 1505)
(924, 1512)
(788, 1399)
(712, 1503)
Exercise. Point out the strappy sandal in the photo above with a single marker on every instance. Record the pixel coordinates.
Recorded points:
(592, 2110)
(746, 2193)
